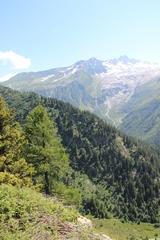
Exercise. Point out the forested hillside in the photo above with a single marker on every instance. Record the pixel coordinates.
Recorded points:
(128, 171)
(33, 160)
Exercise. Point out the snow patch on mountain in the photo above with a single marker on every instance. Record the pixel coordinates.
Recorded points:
(125, 76)
(109, 83)
(47, 77)
(74, 70)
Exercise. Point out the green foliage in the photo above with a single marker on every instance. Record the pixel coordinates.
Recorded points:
(13, 167)
(68, 194)
(26, 214)
(44, 149)
(96, 199)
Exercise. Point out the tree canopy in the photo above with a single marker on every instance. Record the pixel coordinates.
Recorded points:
(44, 149)
(13, 167)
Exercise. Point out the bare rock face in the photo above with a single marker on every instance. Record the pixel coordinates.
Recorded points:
(85, 222)
(103, 237)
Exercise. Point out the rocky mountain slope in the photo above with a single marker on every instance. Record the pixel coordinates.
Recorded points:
(108, 88)
(142, 113)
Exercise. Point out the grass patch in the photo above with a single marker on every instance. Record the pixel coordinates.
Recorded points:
(124, 231)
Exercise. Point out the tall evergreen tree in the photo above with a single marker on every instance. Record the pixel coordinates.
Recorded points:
(44, 149)
(13, 167)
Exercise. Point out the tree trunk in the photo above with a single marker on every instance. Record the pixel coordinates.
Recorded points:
(47, 188)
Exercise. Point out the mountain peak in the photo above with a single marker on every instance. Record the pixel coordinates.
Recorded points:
(124, 59)
(91, 66)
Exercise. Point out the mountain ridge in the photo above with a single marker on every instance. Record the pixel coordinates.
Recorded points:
(105, 88)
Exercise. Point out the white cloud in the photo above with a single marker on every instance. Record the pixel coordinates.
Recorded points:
(6, 77)
(18, 61)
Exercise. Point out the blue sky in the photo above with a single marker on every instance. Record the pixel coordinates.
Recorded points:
(52, 33)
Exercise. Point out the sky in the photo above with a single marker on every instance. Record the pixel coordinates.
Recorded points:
(42, 34)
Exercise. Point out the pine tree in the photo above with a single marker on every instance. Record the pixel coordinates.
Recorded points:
(13, 167)
(44, 149)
